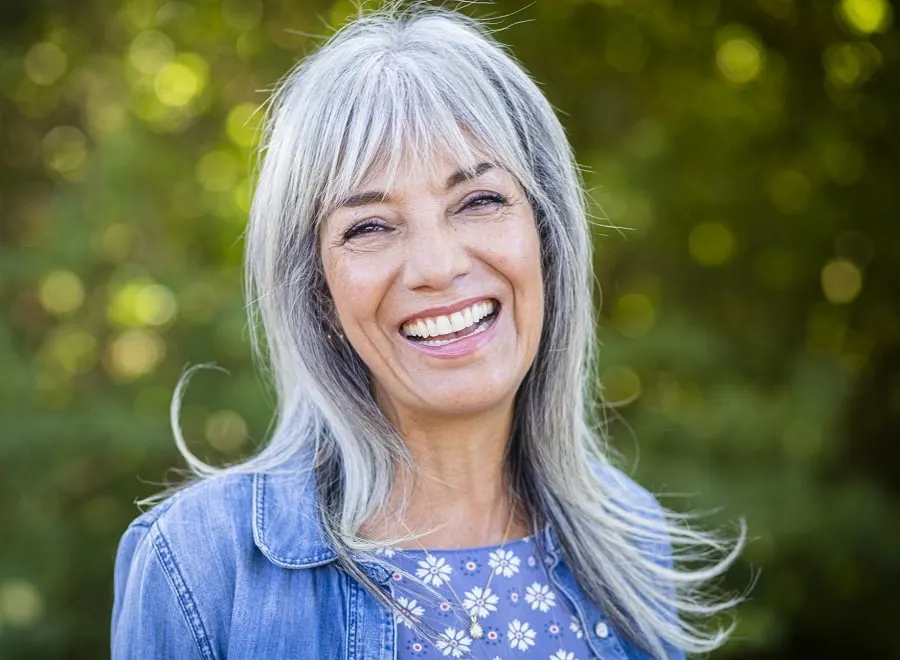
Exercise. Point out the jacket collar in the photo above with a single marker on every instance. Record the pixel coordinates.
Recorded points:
(286, 524)
(287, 527)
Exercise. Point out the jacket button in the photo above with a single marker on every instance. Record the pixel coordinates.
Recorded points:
(601, 630)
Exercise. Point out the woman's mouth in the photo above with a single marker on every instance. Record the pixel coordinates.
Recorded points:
(447, 329)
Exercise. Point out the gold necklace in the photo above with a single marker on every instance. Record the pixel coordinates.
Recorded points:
(475, 629)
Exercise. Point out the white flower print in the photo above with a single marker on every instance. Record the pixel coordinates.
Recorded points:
(575, 627)
(540, 597)
(453, 642)
(563, 655)
(520, 635)
(434, 571)
(504, 562)
(480, 602)
(386, 552)
(409, 610)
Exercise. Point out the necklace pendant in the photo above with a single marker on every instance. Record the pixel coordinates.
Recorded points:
(475, 630)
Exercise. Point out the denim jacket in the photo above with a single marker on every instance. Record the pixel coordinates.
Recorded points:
(237, 566)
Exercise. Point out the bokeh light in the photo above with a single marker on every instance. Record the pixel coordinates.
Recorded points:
(134, 354)
(73, 348)
(45, 63)
(150, 52)
(217, 171)
(740, 57)
(115, 241)
(634, 315)
(64, 149)
(841, 281)
(21, 604)
(181, 81)
(711, 244)
(242, 124)
(141, 302)
(226, 431)
(61, 292)
(850, 64)
(866, 16)
(621, 385)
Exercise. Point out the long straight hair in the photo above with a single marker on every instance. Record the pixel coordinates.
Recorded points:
(397, 86)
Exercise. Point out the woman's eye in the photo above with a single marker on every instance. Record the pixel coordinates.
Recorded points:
(363, 228)
(483, 200)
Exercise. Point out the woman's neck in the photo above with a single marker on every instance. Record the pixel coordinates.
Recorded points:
(458, 495)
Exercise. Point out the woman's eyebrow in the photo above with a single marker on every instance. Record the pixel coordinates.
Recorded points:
(380, 197)
(461, 176)
(363, 198)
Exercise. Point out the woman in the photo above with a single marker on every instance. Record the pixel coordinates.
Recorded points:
(418, 257)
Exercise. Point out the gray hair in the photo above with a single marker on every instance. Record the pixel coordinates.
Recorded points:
(408, 83)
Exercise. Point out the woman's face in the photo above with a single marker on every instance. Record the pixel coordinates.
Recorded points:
(437, 286)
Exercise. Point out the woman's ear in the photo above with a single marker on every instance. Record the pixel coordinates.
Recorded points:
(334, 333)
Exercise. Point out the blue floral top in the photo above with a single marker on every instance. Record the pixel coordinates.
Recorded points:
(518, 614)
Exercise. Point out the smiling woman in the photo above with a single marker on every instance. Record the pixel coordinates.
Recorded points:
(419, 270)
(410, 271)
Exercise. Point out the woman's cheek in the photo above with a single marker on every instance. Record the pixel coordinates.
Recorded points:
(359, 290)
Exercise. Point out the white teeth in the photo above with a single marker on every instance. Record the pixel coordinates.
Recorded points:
(457, 322)
(443, 325)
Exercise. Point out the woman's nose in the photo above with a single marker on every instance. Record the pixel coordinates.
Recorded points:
(435, 257)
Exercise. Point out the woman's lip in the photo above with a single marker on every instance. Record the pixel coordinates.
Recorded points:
(461, 347)
(446, 310)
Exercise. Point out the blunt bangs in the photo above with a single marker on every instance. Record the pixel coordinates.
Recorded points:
(408, 104)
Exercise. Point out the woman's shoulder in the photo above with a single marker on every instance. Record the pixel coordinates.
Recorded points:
(180, 564)
(212, 504)
(202, 524)
(175, 562)
(235, 517)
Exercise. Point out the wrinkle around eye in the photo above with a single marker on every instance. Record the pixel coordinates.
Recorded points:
(363, 235)
(477, 201)
(365, 228)
(486, 206)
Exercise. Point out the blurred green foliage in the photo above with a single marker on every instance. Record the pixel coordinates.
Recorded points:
(744, 161)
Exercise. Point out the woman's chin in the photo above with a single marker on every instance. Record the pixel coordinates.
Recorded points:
(447, 399)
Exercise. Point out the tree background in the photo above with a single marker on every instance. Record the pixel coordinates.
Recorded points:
(744, 162)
